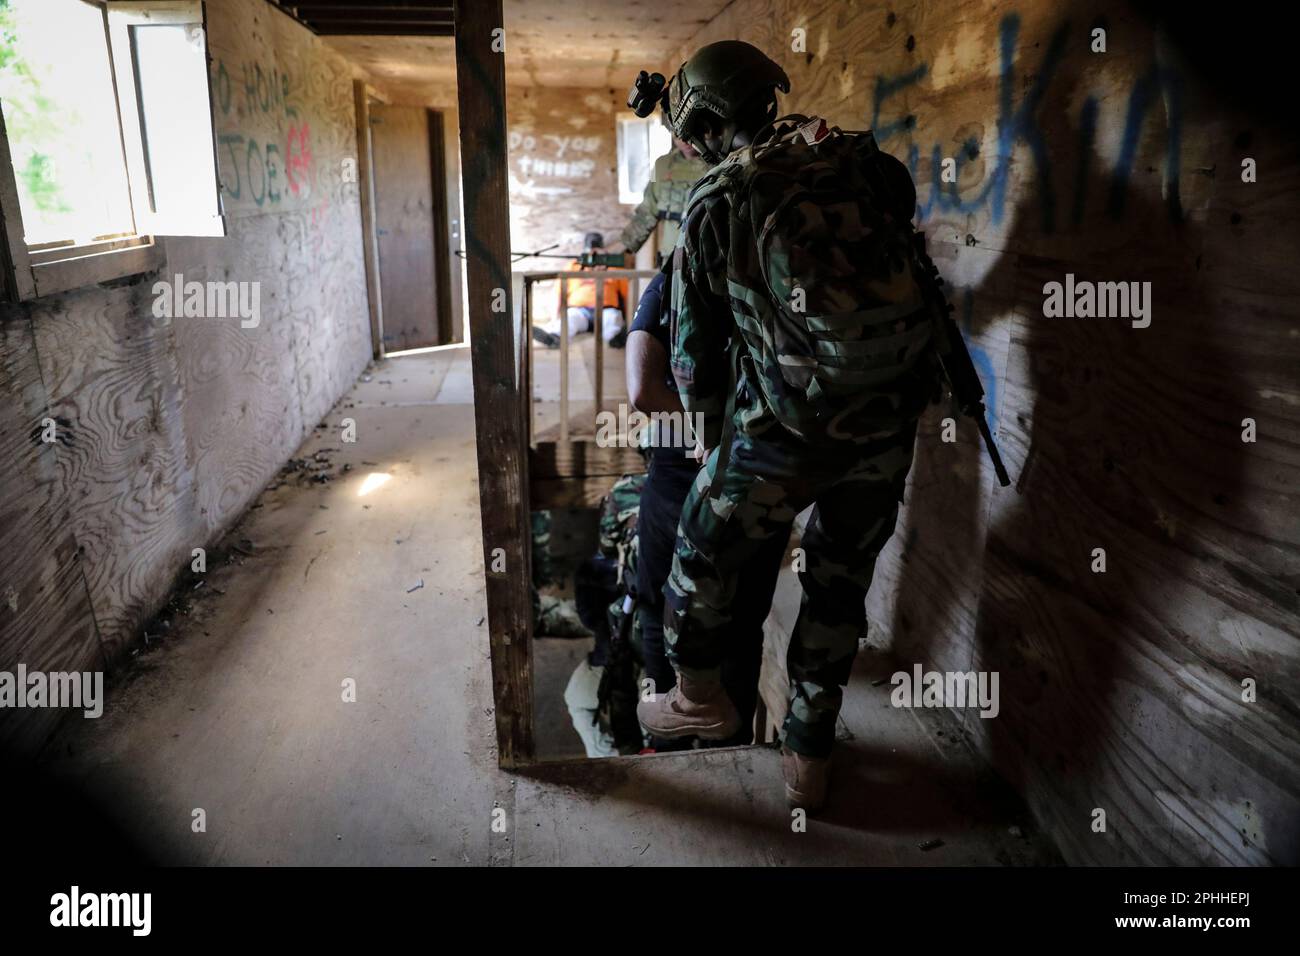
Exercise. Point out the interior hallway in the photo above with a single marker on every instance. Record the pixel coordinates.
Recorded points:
(238, 707)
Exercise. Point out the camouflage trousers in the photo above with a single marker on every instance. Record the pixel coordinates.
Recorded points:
(769, 479)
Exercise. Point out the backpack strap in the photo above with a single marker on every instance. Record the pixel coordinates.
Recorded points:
(718, 178)
(622, 562)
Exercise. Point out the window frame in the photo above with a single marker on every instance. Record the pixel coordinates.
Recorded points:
(32, 271)
(628, 196)
(120, 17)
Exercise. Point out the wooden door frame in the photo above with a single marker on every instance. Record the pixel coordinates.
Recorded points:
(441, 225)
(502, 452)
(362, 95)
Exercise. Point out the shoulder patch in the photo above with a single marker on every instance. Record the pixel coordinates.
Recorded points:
(814, 131)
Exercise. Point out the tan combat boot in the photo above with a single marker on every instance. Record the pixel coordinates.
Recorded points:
(697, 708)
(806, 779)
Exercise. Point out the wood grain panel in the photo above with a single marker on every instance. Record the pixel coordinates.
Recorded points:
(124, 474)
(594, 44)
(46, 621)
(1119, 690)
(174, 425)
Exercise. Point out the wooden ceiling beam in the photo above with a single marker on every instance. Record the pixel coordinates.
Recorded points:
(383, 18)
(440, 5)
(372, 29)
(365, 15)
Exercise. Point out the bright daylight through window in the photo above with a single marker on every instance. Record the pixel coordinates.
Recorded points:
(109, 125)
(56, 83)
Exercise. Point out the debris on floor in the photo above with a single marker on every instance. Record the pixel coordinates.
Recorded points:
(316, 469)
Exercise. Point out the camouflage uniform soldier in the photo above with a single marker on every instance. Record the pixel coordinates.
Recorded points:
(601, 693)
(664, 200)
(800, 332)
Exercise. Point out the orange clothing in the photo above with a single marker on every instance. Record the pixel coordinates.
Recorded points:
(583, 294)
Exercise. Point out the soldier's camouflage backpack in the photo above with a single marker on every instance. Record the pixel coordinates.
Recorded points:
(830, 311)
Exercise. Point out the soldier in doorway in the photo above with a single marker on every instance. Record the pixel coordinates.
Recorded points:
(664, 200)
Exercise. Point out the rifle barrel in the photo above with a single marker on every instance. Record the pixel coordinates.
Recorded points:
(998, 468)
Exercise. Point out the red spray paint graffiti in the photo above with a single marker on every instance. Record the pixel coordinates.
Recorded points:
(298, 166)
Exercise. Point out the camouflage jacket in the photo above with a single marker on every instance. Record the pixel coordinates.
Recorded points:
(663, 202)
(618, 542)
(721, 295)
(617, 530)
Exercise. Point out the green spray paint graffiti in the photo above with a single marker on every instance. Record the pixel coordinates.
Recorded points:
(265, 172)
(261, 169)
(261, 91)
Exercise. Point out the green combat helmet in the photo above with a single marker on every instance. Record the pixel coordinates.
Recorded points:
(723, 83)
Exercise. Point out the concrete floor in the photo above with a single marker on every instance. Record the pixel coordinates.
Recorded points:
(238, 710)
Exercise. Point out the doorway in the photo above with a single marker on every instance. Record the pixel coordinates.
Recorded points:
(411, 226)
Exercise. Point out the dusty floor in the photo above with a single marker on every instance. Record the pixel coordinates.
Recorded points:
(238, 710)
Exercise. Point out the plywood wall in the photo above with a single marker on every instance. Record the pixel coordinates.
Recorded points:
(1120, 691)
(169, 429)
(563, 169)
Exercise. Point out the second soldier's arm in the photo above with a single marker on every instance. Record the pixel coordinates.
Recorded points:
(647, 367)
(649, 386)
(644, 219)
(701, 316)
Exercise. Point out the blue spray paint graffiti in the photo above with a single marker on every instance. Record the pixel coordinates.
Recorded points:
(1169, 85)
(887, 87)
(980, 359)
(1018, 123)
(1014, 125)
